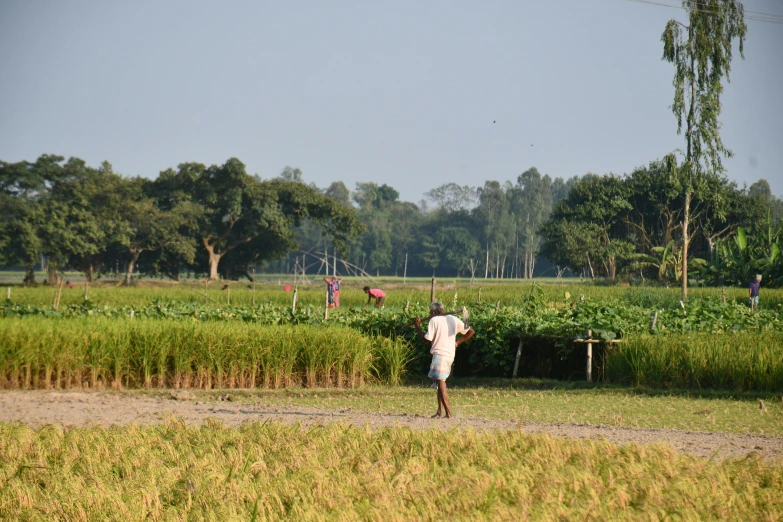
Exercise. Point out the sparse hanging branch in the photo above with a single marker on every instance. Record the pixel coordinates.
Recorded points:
(701, 53)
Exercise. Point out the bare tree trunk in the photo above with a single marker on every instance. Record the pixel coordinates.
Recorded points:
(29, 274)
(214, 260)
(88, 272)
(486, 266)
(685, 242)
(53, 274)
(590, 265)
(129, 271)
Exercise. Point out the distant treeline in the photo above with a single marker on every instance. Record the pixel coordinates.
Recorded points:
(221, 221)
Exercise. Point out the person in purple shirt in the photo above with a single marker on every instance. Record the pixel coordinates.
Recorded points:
(753, 292)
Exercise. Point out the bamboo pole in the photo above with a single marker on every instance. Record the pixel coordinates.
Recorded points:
(59, 294)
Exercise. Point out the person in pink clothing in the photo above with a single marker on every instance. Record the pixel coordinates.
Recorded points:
(374, 293)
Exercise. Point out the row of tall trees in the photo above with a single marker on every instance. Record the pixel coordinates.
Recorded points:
(208, 219)
(219, 221)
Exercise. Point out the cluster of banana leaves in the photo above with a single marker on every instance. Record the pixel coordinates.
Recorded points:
(746, 254)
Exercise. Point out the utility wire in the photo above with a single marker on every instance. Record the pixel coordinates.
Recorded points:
(756, 16)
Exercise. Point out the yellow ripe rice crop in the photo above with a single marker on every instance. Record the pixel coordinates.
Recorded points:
(100, 353)
(278, 472)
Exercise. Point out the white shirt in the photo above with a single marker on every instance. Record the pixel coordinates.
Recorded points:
(442, 332)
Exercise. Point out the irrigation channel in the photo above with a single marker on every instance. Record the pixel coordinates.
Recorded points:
(70, 409)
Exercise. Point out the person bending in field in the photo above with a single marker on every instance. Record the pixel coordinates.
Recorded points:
(374, 293)
(332, 292)
(442, 334)
(753, 292)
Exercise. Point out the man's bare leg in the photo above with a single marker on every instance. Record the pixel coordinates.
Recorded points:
(443, 398)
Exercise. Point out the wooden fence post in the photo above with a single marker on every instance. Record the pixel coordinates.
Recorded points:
(654, 320)
(59, 294)
(8, 294)
(326, 305)
(228, 295)
(293, 302)
(432, 290)
(516, 363)
(589, 372)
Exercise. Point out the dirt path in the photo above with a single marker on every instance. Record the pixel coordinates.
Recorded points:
(97, 408)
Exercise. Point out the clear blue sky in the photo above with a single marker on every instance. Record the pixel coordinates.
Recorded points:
(403, 92)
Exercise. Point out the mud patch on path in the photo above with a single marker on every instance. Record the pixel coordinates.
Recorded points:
(67, 409)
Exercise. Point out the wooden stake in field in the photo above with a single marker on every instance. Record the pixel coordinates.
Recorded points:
(479, 296)
(326, 305)
(293, 302)
(516, 362)
(206, 295)
(59, 294)
(589, 370)
(8, 293)
(228, 295)
(432, 290)
(86, 290)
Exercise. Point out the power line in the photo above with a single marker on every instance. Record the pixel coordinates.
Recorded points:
(756, 16)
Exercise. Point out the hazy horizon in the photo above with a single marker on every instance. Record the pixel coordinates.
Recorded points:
(402, 94)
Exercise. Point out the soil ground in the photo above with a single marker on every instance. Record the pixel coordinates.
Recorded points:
(69, 409)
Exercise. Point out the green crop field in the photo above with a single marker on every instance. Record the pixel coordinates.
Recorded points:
(416, 290)
(703, 368)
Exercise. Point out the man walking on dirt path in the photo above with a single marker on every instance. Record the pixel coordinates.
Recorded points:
(374, 293)
(333, 291)
(753, 292)
(442, 334)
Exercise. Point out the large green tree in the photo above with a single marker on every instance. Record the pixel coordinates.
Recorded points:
(701, 52)
(239, 210)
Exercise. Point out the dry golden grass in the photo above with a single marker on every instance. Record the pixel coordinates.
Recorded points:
(276, 472)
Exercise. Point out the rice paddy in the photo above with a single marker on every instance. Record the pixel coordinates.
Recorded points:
(99, 353)
(270, 471)
(276, 472)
